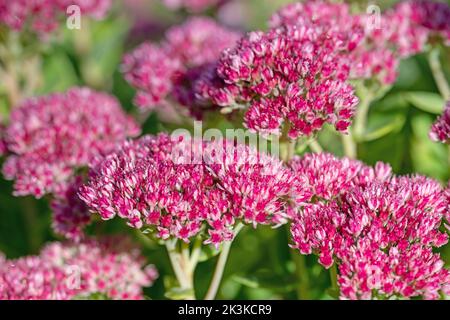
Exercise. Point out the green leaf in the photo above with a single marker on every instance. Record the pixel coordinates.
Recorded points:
(426, 101)
(106, 51)
(208, 252)
(382, 124)
(428, 157)
(58, 73)
(179, 293)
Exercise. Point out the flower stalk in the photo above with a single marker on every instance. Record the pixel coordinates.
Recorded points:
(438, 73)
(220, 267)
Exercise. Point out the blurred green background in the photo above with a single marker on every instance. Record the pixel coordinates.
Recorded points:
(260, 265)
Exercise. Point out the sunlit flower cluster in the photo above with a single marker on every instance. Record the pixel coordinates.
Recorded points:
(164, 184)
(291, 78)
(387, 37)
(44, 16)
(375, 226)
(168, 70)
(63, 271)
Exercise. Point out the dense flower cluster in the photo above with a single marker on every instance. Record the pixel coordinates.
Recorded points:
(150, 69)
(182, 187)
(172, 67)
(379, 228)
(433, 15)
(44, 16)
(291, 75)
(326, 176)
(64, 271)
(398, 33)
(194, 6)
(440, 131)
(50, 137)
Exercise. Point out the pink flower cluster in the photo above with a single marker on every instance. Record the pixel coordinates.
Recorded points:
(395, 34)
(180, 188)
(291, 78)
(63, 271)
(434, 16)
(50, 137)
(380, 229)
(171, 68)
(195, 6)
(440, 131)
(50, 141)
(44, 16)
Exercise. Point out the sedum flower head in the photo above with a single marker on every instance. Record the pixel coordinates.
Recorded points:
(52, 136)
(64, 271)
(375, 227)
(44, 16)
(432, 15)
(289, 79)
(440, 131)
(167, 72)
(380, 41)
(164, 184)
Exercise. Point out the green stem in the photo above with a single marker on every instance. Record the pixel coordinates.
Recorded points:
(302, 275)
(315, 146)
(362, 112)
(333, 279)
(349, 145)
(195, 254)
(181, 268)
(32, 223)
(438, 73)
(220, 267)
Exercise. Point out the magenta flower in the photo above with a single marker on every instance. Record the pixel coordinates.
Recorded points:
(50, 137)
(433, 15)
(367, 272)
(64, 271)
(44, 16)
(290, 78)
(379, 41)
(440, 131)
(150, 69)
(199, 41)
(327, 176)
(165, 185)
(167, 72)
(374, 227)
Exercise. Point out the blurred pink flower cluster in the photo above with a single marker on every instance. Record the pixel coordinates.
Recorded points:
(165, 184)
(44, 16)
(194, 6)
(379, 228)
(51, 139)
(63, 271)
(440, 131)
(167, 70)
